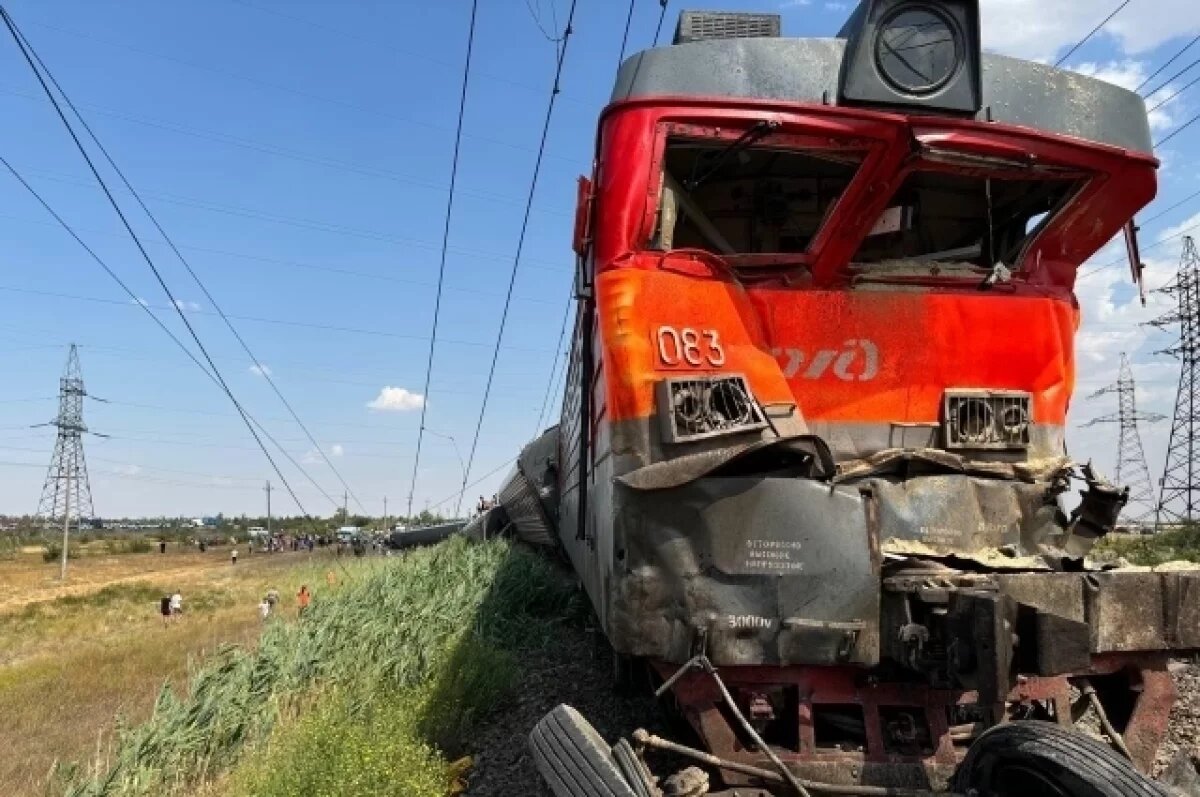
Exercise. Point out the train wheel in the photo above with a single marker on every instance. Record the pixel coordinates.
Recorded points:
(573, 759)
(1040, 759)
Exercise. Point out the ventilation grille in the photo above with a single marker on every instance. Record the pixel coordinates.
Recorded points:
(693, 409)
(699, 25)
(987, 419)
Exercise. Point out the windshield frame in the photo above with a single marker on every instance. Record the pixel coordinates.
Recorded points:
(964, 163)
(786, 135)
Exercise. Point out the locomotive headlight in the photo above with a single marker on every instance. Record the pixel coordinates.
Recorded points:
(918, 49)
(987, 419)
(700, 407)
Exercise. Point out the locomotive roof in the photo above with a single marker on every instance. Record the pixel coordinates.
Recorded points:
(1015, 92)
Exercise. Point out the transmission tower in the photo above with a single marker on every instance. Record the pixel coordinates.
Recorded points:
(67, 491)
(1132, 471)
(1179, 494)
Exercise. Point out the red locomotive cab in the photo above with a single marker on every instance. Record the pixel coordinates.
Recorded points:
(814, 421)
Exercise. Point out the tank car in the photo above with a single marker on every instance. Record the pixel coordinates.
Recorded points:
(814, 423)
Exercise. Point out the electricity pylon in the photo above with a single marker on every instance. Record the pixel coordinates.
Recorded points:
(1132, 471)
(1179, 494)
(67, 490)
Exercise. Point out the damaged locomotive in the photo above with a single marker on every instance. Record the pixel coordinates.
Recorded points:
(813, 434)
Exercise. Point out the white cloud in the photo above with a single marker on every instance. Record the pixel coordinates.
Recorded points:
(260, 370)
(1041, 30)
(141, 301)
(1185, 227)
(182, 305)
(311, 457)
(794, 3)
(396, 399)
(129, 470)
(837, 6)
(337, 450)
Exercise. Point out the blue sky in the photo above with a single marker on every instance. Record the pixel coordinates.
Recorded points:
(299, 152)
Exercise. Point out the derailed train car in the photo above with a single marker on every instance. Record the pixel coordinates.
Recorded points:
(813, 434)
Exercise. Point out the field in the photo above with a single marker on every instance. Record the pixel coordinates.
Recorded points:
(75, 657)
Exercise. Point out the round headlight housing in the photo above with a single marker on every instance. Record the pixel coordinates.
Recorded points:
(918, 49)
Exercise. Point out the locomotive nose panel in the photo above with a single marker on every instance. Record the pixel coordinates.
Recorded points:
(747, 564)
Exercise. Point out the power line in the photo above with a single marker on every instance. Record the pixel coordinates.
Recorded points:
(437, 302)
(263, 372)
(1170, 61)
(316, 225)
(257, 319)
(480, 480)
(1090, 34)
(262, 147)
(625, 35)
(145, 308)
(558, 354)
(1177, 131)
(537, 167)
(284, 89)
(18, 38)
(381, 44)
(1163, 102)
(1154, 245)
(662, 13)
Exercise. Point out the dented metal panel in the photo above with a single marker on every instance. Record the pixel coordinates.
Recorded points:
(746, 564)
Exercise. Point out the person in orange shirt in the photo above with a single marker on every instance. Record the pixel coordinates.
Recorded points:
(303, 598)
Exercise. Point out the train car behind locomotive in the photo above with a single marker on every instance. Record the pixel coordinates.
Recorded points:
(814, 425)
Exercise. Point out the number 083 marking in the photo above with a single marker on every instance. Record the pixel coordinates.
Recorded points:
(689, 346)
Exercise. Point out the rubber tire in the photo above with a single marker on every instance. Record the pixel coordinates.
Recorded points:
(573, 759)
(632, 768)
(1084, 766)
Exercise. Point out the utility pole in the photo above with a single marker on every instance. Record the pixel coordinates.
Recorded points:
(268, 489)
(67, 488)
(1179, 496)
(346, 508)
(385, 518)
(1132, 471)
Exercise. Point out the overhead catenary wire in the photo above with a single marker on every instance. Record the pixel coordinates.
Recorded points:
(537, 167)
(1170, 61)
(437, 301)
(662, 14)
(1169, 80)
(1091, 33)
(150, 312)
(558, 355)
(11, 25)
(1176, 93)
(264, 372)
(625, 35)
(1177, 131)
(261, 320)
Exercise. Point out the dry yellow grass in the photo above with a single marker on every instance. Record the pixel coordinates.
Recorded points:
(75, 656)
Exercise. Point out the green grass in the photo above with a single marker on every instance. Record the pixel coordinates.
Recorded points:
(425, 643)
(1155, 549)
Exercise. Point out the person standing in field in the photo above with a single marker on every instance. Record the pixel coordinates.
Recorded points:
(264, 609)
(162, 546)
(164, 608)
(303, 598)
(176, 604)
(233, 557)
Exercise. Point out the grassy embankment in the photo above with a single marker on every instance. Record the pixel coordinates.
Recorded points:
(75, 656)
(1155, 549)
(373, 692)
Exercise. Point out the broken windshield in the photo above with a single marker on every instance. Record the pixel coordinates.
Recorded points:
(963, 218)
(749, 198)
